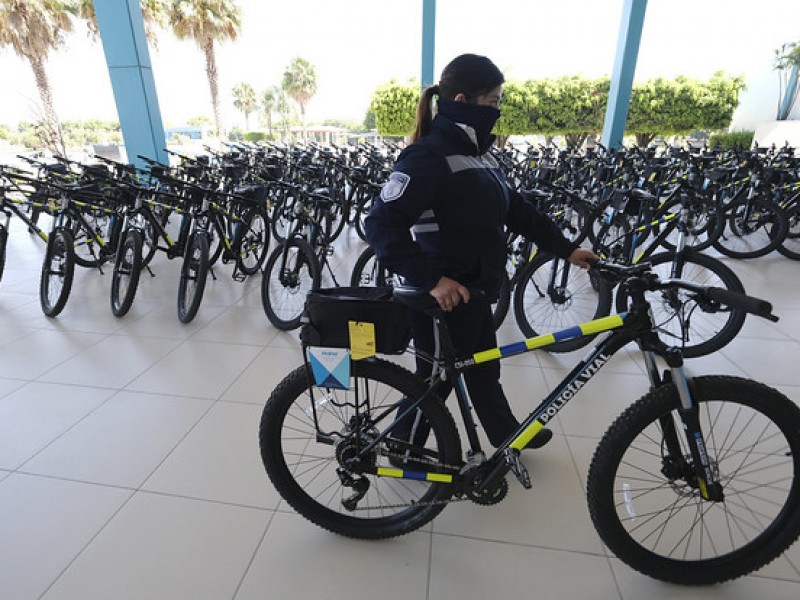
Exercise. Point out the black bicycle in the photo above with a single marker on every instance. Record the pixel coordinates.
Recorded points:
(697, 482)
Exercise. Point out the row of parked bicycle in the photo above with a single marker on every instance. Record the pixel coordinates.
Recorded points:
(630, 205)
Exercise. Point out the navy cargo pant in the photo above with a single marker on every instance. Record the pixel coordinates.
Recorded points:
(471, 330)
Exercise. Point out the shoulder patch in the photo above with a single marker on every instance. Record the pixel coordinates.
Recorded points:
(394, 188)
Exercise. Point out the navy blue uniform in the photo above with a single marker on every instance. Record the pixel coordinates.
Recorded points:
(457, 205)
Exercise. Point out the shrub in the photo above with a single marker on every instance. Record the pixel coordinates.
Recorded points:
(741, 139)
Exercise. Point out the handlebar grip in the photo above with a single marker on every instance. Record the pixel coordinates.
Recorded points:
(749, 304)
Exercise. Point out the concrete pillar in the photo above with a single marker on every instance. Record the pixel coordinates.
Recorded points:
(428, 42)
(125, 45)
(619, 97)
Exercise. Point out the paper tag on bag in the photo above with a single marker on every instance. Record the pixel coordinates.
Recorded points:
(362, 339)
(330, 367)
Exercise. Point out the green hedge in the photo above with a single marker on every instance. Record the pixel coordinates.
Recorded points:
(741, 139)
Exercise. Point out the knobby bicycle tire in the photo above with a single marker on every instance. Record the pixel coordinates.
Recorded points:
(58, 270)
(194, 273)
(3, 246)
(754, 227)
(539, 309)
(303, 468)
(125, 278)
(790, 247)
(683, 321)
(284, 286)
(659, 524)
(252, 241)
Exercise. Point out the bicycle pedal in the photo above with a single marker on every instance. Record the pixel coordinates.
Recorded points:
(518, 469)
(238, 276)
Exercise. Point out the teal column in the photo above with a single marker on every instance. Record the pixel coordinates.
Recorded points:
(125, 45)
(619, 96)
(428, 41)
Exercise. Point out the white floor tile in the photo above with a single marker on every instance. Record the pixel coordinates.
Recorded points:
(471, 568)
(259, 379)
(196, 368)
(33, 355)
(777, 364)
(113, 362)
(122, 442)
(160, 547)
(299, 560)
(36, 414)
(45, 524)
(238, 325)
(219, 460)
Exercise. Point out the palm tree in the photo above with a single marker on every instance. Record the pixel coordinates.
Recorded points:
(206, 22)
(244, 99)
(300, 83)
(269, 104)
(153, 12)
(33, 28)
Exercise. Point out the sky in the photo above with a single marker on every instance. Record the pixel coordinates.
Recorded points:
(356, 45)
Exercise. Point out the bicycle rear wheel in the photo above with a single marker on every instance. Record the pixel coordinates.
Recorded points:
(307, 464)
(290, 273)
(552, 295)
(252, 242)
(659, 524)
(58, 269)
(755, 227)
(194, 273)
(697, 327)
(127, 268)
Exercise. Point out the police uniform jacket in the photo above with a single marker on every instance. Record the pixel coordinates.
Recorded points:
(444, 210)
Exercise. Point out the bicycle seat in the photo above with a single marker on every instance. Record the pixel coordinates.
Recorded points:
(416, 298)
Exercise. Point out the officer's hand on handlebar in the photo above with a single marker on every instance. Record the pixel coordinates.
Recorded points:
(583, 257)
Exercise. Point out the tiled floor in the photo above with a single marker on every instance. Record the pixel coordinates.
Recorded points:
(129, 464)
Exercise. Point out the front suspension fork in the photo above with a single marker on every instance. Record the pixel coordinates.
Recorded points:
(689, 413)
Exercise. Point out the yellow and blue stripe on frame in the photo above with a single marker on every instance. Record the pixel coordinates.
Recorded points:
(541, 341)
(418, 475)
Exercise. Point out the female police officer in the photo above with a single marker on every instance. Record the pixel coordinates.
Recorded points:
(440, 223)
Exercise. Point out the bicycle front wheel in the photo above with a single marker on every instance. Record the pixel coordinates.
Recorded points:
(194, 273)
(58, 270)
(127, 268)
(290, 273)
(307, 461)
(696, 327)
(651, 514)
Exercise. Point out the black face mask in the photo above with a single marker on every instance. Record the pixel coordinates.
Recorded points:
(480, 118)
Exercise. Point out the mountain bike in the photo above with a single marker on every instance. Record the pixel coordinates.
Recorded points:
(295, 266)
(698, 327)
(697, 482)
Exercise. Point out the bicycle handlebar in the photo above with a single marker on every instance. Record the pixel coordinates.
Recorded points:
(643, 271)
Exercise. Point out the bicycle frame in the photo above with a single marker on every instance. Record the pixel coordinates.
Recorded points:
(635, 325)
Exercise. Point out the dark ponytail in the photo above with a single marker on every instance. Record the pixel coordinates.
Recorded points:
(425, 112)
(468, 74)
